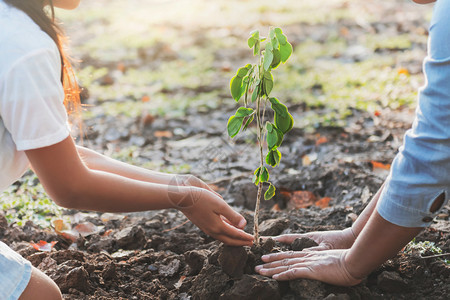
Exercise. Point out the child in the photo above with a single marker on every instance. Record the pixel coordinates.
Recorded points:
(416, 188)
(35, 83)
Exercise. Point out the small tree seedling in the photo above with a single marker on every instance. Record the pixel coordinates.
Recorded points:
(254, 83)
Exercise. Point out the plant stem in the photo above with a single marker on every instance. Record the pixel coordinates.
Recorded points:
(258, 197)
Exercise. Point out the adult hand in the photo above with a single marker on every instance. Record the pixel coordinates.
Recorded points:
(215, 217)
(326, 240)
(327, 266)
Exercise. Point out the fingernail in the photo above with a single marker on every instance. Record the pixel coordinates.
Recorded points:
(257, 268)
(275, 277)
(242, 223)
(265, 257)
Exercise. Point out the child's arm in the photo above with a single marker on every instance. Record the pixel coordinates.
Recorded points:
(71, 184)
(96, 161)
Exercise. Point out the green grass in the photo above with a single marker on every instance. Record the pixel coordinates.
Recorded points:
(29, 203)
(197, 31)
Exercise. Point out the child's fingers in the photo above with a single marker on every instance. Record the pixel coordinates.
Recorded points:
(232, 216)
(235, 233)
(234, 242)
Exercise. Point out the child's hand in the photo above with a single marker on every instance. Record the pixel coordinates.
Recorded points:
(191, 180)
(327, 266)
(215, 217)
(326, 240)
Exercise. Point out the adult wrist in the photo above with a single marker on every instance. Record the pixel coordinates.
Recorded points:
(347, 270)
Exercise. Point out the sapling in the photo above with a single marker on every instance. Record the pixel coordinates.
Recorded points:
(254, 83)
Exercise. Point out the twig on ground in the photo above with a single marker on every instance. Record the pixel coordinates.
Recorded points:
(176, 227)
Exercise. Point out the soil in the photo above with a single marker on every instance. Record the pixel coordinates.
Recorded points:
(158, 255)
(326, 177)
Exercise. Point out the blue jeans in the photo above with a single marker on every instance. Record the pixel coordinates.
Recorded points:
(420, 172)
(15, 273)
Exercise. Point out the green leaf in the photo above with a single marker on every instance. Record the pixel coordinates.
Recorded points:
(268, 82)
(275, 44)
(285, 52)
(257, 48)
(236, 84)
(274, 136)
(276, 156)
(280, 136)
(241, 72)
(284, 123)
(276, 59)
(251, 42)
(273, 39)
(272, 33)
(249, 120)
(280, 36)
(269, 193)
(272, 139)
(264, 175)
(256, 175)
(255, 34)
(268, 56)
(255, 93)
(244, 85)
(270, 160)
(273, 157)
(278, 107)
(243, 112)
(234, 125)
(235, 87)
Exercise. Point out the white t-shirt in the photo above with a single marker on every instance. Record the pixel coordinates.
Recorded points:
(32, 113)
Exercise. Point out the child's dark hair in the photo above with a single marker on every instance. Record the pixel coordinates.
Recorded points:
(35, 9)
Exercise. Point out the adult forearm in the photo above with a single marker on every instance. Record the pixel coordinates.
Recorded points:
(377, 242)
(363, 218)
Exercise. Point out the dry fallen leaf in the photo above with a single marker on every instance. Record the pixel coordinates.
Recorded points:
(308, 159)
(323, 203)
(43, 246)
(121, 67)
(403, 71)
(83, 229)
(276, 207)
(164, 133)
(301, 199)
(379, 165)
(322, 140)
(180, 282)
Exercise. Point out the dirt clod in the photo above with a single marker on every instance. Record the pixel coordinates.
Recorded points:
(233, 260)
(209, 284)
(131, 238)
(391, 282)
(308, 289)
(273, 227)
(303, 243)
(251, 287)
(170, 269)
(76, 278)
(196, 259)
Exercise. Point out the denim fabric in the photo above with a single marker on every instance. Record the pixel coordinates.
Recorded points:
(421, 170)
(15, 273)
